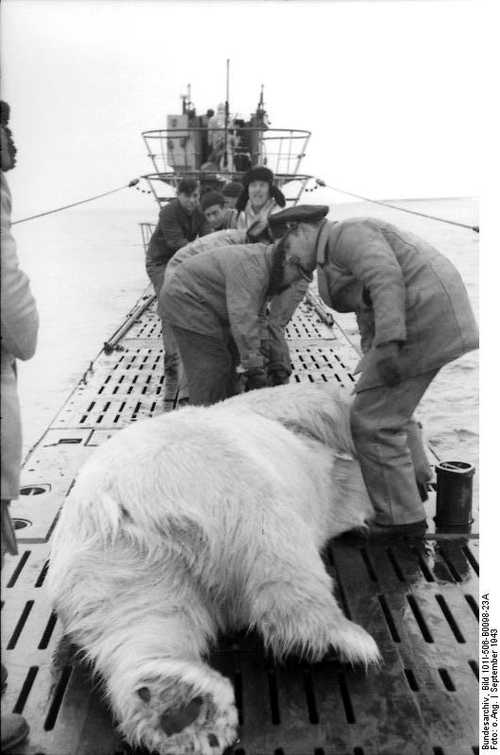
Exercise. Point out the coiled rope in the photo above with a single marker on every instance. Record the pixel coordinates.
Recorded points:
(474, 228)
(134, 182)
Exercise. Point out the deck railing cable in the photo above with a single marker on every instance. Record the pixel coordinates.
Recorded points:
(322, 183)
(134, 182)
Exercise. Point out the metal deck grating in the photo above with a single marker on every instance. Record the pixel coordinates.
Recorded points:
(421, 604)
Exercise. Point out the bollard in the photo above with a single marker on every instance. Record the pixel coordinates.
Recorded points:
(454, 496)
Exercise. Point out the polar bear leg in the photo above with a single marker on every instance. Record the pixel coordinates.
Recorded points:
(291, 603)
(188, 708)
(163, 694)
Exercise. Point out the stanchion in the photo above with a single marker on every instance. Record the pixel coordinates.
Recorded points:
(454, 496)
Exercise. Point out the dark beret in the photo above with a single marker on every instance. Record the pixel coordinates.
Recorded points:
(280, 222)
(211, 198)
(232, 189)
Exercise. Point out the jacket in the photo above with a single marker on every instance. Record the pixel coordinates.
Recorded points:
(175, 229)
(19, 328)
(402, 289)
(230, 219)
(217, 238)
(223, 288)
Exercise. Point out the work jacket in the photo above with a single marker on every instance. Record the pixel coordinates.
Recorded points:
(175, 229)
(217, 238)
(19, 325)
(230, 218)
(223, 288)
(402, 289)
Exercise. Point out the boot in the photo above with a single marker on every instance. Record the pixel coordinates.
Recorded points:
(171, 384)
(14, 731)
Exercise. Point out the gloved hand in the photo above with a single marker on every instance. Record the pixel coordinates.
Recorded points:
(256, 379)
(278, 377)
(388, 362)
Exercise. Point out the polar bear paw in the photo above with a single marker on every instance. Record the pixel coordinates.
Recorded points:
(193, 714)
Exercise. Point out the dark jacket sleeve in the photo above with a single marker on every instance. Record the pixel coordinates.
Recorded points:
(204, 227)
(172, 228)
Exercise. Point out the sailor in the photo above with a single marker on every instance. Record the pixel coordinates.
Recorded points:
(226, 238)
(231, 191)
(260, 196)
(179, 222)
(216, 303)
(217, 238)
(414, 317)
(19, 337)
(217, 214)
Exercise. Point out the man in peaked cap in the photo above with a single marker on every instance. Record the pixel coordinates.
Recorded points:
(414, 316)
(283, 306)
(216, 303)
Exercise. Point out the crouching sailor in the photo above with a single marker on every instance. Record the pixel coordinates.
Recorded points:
(216, 302)
(414, 317)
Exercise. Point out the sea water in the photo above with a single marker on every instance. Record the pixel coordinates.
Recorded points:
(87, 270)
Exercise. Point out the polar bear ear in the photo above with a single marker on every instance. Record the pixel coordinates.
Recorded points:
(144, 693)
(174, 720)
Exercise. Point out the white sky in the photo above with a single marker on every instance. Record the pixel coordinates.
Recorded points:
(388, 89)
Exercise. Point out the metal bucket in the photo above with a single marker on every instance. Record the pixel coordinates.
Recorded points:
(454, 496)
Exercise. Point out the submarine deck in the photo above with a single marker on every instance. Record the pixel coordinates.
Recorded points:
(420, 603)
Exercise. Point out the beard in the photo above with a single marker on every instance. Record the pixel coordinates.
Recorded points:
(276, 284)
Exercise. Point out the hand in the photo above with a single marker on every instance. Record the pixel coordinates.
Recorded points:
(256, 379)
(278, 377)
(388, 362)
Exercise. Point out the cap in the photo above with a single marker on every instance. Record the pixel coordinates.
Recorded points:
(232, 189)
(210, 198)
(258, 173)
(280, 222)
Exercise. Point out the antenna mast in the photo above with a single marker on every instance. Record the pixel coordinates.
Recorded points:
(226, 114)
(186, 100)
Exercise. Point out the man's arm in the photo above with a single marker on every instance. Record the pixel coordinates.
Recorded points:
(18, 308)
(364, 252)
(246, 285)
(205, 228)
(171, 227)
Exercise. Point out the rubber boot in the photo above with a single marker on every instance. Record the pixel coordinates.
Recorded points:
(15, 729)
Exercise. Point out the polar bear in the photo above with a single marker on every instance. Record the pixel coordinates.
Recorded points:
(200, 521)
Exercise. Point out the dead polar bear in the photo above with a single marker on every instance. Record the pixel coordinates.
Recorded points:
(195, 522)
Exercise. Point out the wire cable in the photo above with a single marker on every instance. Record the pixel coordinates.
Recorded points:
(134, 182)
(322, 183)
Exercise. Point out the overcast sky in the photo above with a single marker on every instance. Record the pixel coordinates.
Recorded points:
(388, 89)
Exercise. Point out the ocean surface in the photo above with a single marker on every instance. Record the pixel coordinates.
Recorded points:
(87, 270)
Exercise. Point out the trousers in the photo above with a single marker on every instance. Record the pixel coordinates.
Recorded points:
(174, 371)
(381, 420)
(210, 363)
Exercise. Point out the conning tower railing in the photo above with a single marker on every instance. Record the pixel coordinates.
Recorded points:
(234, 150)
(164, 185)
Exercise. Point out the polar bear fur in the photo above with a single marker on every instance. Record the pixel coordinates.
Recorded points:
(196, 522)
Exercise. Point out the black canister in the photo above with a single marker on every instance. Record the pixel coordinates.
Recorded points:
(454, 495)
